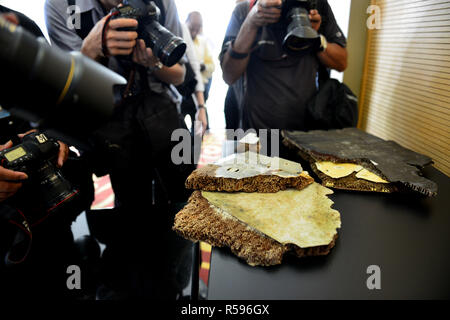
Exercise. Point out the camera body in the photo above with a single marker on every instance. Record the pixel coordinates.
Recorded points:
(165, 45)
(308, 5)
(300, 36)
(46, 190)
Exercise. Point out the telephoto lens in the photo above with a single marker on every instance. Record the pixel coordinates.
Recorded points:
(39, 82)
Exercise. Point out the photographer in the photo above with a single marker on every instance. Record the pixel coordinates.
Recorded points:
(36, 246)
(278, 85)
(134, 147)
(88, 40)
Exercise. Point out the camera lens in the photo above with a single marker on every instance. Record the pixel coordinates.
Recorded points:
(167, 47)
(172, 52)
(62, 81)
(55, 189)
(301, 37)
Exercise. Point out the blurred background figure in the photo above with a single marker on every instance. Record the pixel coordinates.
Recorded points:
(232, 110)
(195, 24)
(192, 90)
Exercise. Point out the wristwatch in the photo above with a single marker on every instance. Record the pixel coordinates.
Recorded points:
(157, 66)
(323, 43)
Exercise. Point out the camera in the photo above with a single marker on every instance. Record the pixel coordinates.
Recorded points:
(46, 191)
(300, 37)
(165, 45)
(54, 88)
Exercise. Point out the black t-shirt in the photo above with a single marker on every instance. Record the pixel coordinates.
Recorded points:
(276, 87)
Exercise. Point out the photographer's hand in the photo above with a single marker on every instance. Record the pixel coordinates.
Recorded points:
(9, 180)
(144, 56)
(63, 149)
(117, 42)
(316, 19)
(265, 12)
(170, 75)
(63, 153)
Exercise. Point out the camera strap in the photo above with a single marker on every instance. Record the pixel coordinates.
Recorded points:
(21, 245)
(105, 31)
(162, 17)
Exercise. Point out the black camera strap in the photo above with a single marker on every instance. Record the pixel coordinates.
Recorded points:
(162, 17)
(21, 244)
(105, 31)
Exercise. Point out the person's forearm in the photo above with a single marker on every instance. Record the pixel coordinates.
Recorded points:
(232, 68)
(335, 57)
(200, 98)
(171, 75)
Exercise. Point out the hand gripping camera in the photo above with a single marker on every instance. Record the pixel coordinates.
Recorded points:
(300, 37)
(166, 46)
(46, 189)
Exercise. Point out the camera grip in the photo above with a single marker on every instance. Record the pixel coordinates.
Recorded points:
(127, 29)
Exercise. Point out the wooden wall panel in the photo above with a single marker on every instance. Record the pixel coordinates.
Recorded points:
(405, 93)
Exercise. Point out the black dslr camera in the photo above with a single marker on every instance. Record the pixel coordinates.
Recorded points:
(300, 37)
(165, 45)
(46, 190)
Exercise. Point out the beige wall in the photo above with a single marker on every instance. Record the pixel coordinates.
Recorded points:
(357, 38)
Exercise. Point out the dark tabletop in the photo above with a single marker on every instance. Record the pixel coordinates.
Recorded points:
(407, 236)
